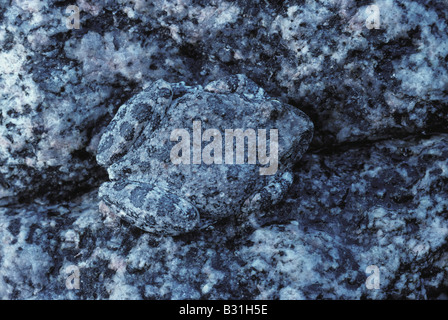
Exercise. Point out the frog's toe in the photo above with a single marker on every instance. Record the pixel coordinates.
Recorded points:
(270, 195)
(149, 207)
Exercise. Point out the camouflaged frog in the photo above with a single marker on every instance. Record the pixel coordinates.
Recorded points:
(166, 183)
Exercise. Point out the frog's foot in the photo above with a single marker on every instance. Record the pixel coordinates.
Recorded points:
(149, 207)
(238, 83)
(144, 109)
(270, 195)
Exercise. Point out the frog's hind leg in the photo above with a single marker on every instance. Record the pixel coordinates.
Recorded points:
(142, 110)
(149, 207)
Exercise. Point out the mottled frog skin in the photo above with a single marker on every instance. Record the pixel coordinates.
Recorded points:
(157, 196)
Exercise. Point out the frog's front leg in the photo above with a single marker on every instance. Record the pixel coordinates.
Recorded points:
(144, 109)
(269, 195)
(149, 207)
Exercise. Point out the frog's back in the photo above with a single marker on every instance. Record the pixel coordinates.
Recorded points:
(189, 151)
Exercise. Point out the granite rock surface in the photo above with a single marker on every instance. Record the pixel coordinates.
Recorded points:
(380, 205)
(371, 190)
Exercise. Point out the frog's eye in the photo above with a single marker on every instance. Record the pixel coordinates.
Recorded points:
(165, 93)
(233, 83)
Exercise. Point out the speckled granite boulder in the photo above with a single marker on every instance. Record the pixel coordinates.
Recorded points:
(60, 87)
(382, 205)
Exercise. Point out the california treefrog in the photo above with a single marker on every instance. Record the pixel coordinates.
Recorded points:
(180, 158)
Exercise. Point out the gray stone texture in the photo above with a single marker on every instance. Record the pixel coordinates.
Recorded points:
(371, 190)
